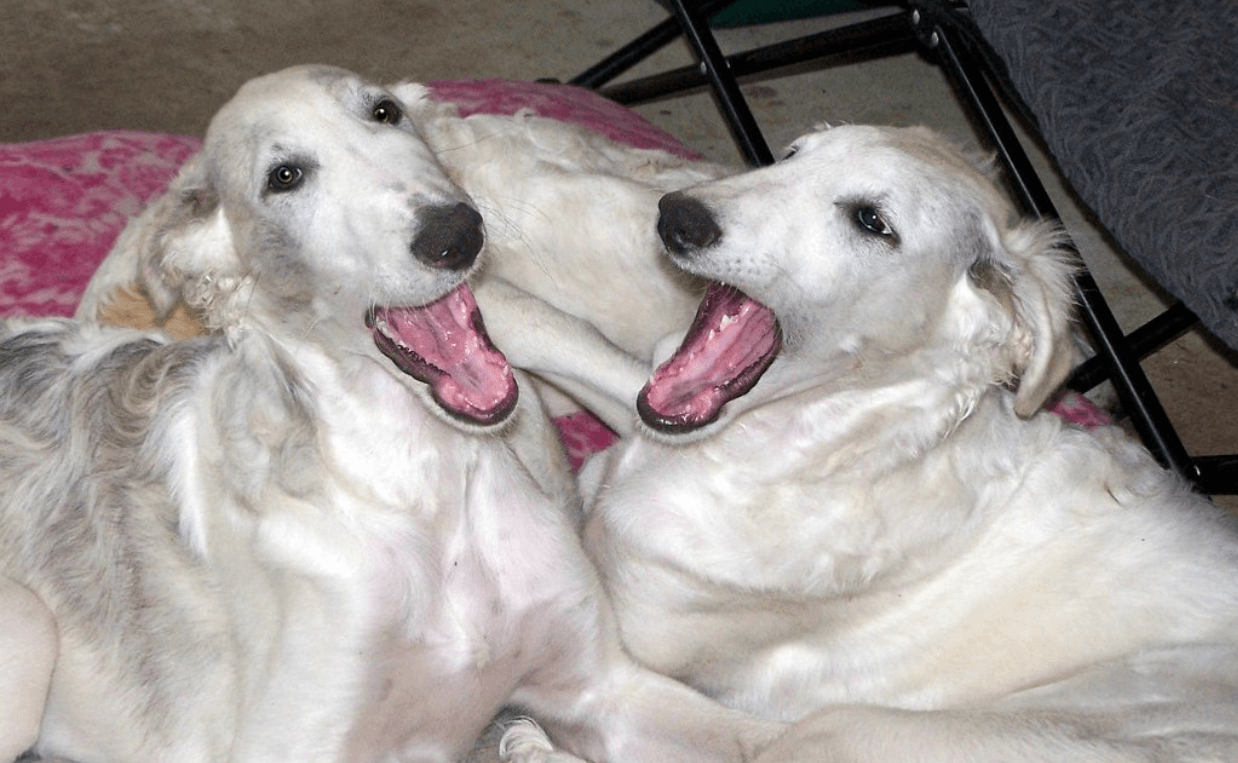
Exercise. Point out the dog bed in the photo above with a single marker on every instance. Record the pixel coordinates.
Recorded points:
(64, 201)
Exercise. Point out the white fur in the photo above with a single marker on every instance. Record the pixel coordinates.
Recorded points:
(270, 544)
(880, 538)
(570, 216)
(570, 223)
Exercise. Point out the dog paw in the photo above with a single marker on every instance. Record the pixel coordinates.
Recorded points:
(524, 742)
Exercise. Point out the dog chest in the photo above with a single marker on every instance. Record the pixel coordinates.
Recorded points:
(500, 579)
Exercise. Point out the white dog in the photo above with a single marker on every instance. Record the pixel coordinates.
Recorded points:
(330, 530)
(879, 537)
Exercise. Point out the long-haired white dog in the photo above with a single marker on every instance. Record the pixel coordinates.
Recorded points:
(841, 513)
(331, 529)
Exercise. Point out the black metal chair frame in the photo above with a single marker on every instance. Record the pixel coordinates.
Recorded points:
(944, 32)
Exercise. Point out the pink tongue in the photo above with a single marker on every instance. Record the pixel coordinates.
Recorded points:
(733, 339)
(445, 345)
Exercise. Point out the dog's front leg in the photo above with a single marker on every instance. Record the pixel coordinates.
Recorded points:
(632, 715)
(28, 648)
(524, 741)
(564, 351)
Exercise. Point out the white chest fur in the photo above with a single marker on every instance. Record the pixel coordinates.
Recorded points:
(386, 601)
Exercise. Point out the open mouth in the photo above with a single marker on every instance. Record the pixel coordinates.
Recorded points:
(731, 342)
(444, 345)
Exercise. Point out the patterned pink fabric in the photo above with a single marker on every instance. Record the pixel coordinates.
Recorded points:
(1078, 410)
(62, 204)
(583, 435)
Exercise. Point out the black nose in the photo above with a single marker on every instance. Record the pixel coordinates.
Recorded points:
(450, 236)
(686, 224)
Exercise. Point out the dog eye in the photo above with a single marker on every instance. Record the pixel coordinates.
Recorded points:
(792, 151)
(387, 112)
(284, 178)
(870, 220)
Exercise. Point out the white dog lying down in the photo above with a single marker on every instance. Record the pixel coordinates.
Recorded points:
(879, 536)
(330, 530)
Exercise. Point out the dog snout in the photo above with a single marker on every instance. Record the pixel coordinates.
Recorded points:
(686, 224)
(450, 236)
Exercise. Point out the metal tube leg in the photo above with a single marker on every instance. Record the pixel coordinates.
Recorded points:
(734, 108)
(639, 49)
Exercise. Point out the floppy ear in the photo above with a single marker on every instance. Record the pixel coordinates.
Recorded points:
(418, 104)
(180, 246)
(413, 95)
(1040, 281)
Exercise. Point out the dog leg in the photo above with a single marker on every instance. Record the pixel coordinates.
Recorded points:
(1197, 731)
(633, 714)
(564, 351)
(28, 647)
(524, 742)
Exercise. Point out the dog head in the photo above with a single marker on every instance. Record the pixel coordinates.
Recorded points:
(315, 210)
(864, 246)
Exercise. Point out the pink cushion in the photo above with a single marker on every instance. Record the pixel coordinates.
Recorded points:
(62, 204)
(561, 102)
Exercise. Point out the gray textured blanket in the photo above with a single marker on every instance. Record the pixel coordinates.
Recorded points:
(1138, 101)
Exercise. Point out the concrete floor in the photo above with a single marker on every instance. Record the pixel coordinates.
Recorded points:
(69, 66)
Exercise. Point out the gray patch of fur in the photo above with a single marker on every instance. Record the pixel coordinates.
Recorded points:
(89, 505)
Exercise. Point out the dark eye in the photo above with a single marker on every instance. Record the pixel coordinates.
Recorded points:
(284, 178)
(387, 112)
(870, 220)
(792, 151)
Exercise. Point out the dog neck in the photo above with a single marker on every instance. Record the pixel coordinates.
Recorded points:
(865, 418)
